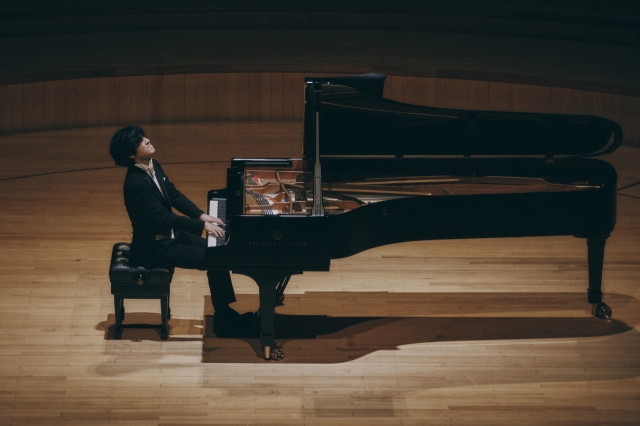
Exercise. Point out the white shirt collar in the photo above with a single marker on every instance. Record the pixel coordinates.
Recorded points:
(148, 169)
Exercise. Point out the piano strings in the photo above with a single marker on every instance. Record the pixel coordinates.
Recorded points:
(270, 192)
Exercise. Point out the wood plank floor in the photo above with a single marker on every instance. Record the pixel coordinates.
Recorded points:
(489, 332)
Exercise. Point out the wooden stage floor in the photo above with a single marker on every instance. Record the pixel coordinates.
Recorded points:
(489, 332)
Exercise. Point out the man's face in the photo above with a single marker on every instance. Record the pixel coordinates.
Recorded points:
(145, 151)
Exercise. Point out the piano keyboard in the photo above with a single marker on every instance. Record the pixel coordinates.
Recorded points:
(217, 208)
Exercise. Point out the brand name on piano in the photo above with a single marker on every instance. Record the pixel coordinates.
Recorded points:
(278, 243)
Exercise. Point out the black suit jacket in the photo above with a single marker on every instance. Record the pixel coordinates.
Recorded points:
(151, 212)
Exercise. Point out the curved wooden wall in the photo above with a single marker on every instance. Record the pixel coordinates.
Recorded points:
(271, 96)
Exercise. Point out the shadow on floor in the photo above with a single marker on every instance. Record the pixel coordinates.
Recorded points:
(336, 338)
(422, 318)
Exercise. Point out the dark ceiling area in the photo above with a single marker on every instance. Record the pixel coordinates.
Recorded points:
(586, 45)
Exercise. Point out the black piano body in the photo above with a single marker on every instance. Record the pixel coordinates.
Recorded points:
(388, 172)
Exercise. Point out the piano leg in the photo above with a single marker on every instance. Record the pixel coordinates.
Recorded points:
(268, 282)
(596, 260)
(267, 314)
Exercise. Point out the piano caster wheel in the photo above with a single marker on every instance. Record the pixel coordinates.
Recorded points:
(164, 334)
(117, 334)
(602, 311)
(276, 353)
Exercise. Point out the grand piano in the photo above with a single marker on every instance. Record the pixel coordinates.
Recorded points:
(376, 172)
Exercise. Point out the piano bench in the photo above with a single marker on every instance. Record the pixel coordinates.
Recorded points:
(129, 281)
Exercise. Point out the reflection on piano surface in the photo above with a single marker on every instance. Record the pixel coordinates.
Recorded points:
(373, 169)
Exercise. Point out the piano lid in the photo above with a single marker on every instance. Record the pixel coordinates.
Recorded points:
(355, 120)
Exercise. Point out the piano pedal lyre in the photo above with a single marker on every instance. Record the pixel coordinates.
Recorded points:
(280, 287)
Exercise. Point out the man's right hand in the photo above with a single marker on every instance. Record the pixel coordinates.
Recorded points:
(213, 229)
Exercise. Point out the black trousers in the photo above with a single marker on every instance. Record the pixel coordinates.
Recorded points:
(187, 251)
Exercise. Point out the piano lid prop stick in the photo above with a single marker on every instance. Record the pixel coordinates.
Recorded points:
(318, 209)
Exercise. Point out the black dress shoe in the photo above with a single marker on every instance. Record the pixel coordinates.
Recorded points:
(230, 323)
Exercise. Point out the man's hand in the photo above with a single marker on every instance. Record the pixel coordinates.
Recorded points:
(210, 219)
(213, 229)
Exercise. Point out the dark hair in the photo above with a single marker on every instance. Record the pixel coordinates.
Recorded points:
(124, 144)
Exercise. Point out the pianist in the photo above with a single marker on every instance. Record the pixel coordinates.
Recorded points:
(159, 235)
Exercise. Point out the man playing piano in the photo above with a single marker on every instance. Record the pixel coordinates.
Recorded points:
(159, 235)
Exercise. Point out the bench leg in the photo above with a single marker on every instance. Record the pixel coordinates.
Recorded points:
(118, 303)
(164, 307)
